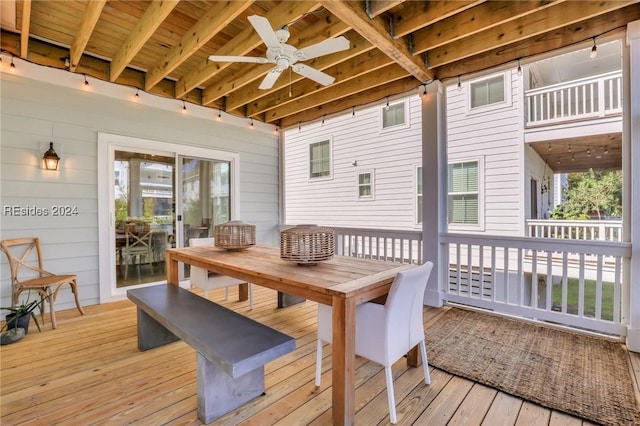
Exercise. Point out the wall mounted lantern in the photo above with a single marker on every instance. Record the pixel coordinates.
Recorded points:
(50, 160)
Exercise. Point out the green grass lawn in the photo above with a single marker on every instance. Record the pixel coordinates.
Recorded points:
(589, 298)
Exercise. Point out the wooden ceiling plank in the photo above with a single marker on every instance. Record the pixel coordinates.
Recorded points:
(373, 94)
(378, 7)
(540, 22)
(250, 73)
(363, 64)
(471, 21)
(242, 44)
(543, 43)
(24, 28)
(216, 18)
(253, 93)
(389, 73)
(374, 30)
(155, 14)
(414, 15)
(89, 21)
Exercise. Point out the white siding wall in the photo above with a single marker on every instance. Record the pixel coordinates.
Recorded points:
(496, 136)
(391, 155)
(33, 113)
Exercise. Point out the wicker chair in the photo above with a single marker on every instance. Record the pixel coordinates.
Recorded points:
(21, 258)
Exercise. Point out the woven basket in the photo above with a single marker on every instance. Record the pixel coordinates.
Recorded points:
(234, 235)
(306, 244)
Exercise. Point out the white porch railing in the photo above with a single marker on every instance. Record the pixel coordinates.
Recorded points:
(380, 244)
(603, 230)
(570, 282)
(592, 97)
(567, 282)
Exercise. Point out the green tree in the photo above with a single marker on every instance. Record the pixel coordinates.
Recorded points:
(591, 193)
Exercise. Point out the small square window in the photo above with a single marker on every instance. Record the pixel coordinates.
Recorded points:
(393, 115)
(487, 92)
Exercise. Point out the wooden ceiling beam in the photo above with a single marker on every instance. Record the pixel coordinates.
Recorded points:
(250, 73)
(471, 21)
(350, 103)
(363, 64)
(24, 28)
(155, 14)
(216, 18)
(381, 76)
(413, 15)
(376, 32)
(544, 43)
(243, 43)
(89, 21)
(252, 94)
(541, 22)
(378, 7)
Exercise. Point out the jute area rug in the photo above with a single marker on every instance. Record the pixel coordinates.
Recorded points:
(581, 375)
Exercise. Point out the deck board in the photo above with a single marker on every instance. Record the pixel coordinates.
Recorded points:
(89, 370)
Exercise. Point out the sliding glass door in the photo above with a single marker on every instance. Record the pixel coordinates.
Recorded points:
(153, 196)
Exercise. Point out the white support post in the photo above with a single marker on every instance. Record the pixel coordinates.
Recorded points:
(434, 181)
(631, 149)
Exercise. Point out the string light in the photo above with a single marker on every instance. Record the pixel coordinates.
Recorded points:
(459, 85)
(137, 94)
(12, 67)
(549, 148)
(594, 50)
(250, 122)
(322, 124)
(386, 107)
(86, 82)
(219, 114)
(353, 111)
(184, 107)
(519, 67)
(588, 152)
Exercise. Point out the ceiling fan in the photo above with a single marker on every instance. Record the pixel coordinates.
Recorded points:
(286, 56)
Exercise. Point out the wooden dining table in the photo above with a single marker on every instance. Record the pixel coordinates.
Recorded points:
(341, 282)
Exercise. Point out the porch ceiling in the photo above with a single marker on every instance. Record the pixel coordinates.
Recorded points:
(598, 152)
(395, 45)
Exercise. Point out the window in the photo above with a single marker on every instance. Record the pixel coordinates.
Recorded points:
(320, 159)
(365, 185)
(488, 91)
(394, 115)
(418, 195)
(463, 191)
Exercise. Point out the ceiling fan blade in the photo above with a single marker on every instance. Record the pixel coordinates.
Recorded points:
(331, 45)
(264, 30)
(313, 74)
(252, 59)
(270, 79)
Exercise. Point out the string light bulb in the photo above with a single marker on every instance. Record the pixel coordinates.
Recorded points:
(137, 93)
(184, 107)
(12, 67)
(519, 68)
(250, 122)
(219, 114)
(386, 107)
(86, 82)
(459, 84)
(594, 49)
(353, 111)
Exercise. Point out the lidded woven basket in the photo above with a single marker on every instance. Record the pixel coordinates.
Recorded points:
(234, 235)
(307, 244)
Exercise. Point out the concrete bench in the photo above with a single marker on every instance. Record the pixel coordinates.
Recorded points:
(231, 349)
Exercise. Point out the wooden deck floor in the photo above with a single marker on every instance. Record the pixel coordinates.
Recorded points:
(89, 371)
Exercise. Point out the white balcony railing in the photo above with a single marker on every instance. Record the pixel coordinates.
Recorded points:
(602, 230)
(575, 283)
(567, 282)
(588, 98)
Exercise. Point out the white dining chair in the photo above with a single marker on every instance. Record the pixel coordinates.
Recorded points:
(385, 333)
(207, 280)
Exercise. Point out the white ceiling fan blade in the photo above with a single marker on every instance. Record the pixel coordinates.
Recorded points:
(264, 30)
(313, 74)
(323, 48)
(252, 59)
(270, 79)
